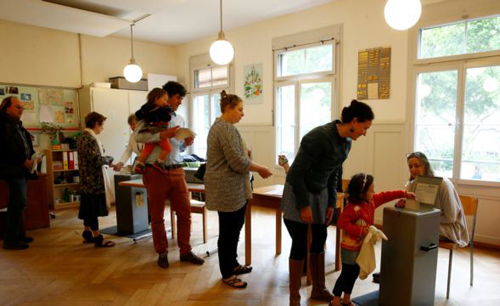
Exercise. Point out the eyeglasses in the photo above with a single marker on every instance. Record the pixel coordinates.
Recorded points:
(20, 107)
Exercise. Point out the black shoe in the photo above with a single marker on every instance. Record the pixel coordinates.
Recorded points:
(376, 278)
(190, 257)
(163, 260)
(15, 245)
(26, 239)
(376, 275)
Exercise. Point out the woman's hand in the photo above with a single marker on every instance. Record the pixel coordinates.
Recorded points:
(169, 133)
(264, 172)
(329, 215)
(188, 141)
(118, 167)
(306, 214)
(401, 203)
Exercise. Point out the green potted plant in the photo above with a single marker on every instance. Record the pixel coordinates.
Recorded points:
(53, 131)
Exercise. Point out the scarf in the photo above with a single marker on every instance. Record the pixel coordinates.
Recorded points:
(110, 194)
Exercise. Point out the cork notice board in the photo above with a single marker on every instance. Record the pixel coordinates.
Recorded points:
(374, 74)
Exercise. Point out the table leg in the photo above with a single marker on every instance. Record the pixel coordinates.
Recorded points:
(278, 232)
(248, 235)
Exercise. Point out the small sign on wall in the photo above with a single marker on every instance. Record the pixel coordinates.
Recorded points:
(374, 74)
(252, 86)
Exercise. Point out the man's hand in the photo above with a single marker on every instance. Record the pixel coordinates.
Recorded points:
(169, 133)
(329, 215)
(306, 215)
(188, 141)
(28, 164)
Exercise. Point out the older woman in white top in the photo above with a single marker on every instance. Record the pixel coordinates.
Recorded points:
(227, 185)
(453, 225)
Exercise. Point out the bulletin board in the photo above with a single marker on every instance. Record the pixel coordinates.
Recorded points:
(45, 104)
(374, 73)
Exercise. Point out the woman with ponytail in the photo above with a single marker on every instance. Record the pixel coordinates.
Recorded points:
(310, 195)
(227, 185)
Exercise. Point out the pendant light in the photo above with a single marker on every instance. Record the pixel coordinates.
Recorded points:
(402, 14)
(132, 72)
(221, 51)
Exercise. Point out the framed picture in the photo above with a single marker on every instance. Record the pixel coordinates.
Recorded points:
(35, 138)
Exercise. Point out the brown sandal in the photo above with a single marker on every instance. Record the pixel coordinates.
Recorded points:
(235, 282)
(99, 242)
(242, 269)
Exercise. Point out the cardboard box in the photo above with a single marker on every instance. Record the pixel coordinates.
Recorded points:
(121, 83)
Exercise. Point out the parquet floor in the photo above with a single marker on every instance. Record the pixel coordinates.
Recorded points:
(59, 270)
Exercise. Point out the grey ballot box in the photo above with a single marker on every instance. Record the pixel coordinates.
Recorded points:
(131, 206)
(409, 257)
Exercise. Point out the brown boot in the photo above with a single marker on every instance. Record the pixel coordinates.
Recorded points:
(319, 291)
(295, 278)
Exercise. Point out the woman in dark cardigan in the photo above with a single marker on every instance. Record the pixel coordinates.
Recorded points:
(93, 193)
(310, 194)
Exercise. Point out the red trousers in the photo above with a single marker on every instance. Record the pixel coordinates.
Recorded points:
(162, 186)
(148, 148)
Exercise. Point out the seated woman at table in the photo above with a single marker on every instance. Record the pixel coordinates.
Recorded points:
(227, 185)
(453, 226)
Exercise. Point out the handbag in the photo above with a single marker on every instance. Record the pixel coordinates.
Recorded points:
(200, 173)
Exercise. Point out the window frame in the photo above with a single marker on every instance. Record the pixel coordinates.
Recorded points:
(332, 76)
(460, 63)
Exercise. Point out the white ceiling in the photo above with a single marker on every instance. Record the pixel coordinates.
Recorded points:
(172, 22)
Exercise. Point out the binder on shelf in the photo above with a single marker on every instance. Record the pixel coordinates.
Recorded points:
(75, 159)
(65, 160)
(71, 160)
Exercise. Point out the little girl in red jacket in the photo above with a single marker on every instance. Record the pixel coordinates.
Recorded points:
(357, 217)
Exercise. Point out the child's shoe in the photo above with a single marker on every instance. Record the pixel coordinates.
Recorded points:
(140, 168)
(160, 166)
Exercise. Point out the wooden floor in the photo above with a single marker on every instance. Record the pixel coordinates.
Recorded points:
(59, 270)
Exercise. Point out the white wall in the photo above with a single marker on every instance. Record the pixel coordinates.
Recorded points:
(39, 56)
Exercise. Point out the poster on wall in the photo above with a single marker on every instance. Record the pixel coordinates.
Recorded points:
(252, 86)
(374, 73)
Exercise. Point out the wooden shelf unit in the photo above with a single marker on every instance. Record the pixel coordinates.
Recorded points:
(55, 189)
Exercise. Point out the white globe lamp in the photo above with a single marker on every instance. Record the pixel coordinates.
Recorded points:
(132, 72)
(221, 51)
(402, 14)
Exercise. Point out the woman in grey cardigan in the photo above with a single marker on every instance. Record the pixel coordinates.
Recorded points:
(227, 185)
(310, 195)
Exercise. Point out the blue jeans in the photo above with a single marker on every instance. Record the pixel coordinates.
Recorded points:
(18, 189)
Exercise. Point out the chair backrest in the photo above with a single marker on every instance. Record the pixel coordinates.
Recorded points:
(470, 205)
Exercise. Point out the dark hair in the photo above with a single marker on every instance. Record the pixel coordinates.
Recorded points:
(131, 118)
(173, 88)
(154, 94)
(92, 119)
(423, 160)
(6, 103)
(358, 186)
(359, 110)
(228, 100)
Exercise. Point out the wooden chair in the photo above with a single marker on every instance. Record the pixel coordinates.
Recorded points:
(470, 205)
(197, 207)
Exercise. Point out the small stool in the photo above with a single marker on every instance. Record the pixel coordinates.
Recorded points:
(197, 207)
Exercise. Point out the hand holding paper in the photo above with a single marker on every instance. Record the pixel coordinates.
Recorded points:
(184, 133)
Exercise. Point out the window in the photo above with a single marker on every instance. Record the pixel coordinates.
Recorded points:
(457, 117)
(208, 80)
(304, 86)
(470, 36)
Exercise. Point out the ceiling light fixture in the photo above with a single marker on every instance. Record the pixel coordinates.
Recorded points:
(221, 51)
(132, 72)
(402, 14)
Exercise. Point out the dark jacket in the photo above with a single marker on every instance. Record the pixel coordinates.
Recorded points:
(12, 149)
(317, 165)
(90, 162)
(151, 115)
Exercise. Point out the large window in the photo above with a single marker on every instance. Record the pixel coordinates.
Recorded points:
(457, 118)
(208, 81)
(304, 86)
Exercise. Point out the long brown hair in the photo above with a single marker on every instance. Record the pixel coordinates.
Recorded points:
(6, 103)
(154, 94)
(423, 160)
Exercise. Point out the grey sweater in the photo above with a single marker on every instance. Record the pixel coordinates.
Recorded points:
(227, 166)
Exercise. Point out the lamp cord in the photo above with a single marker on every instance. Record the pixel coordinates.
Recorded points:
(132, 40)
(221, 15)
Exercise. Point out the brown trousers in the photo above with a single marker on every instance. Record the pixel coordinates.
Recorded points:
(162, 186)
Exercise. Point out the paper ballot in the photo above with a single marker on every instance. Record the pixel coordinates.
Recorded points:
(36, 158)
(184, 133)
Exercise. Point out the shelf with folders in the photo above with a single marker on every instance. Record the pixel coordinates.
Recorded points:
(63, 179)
